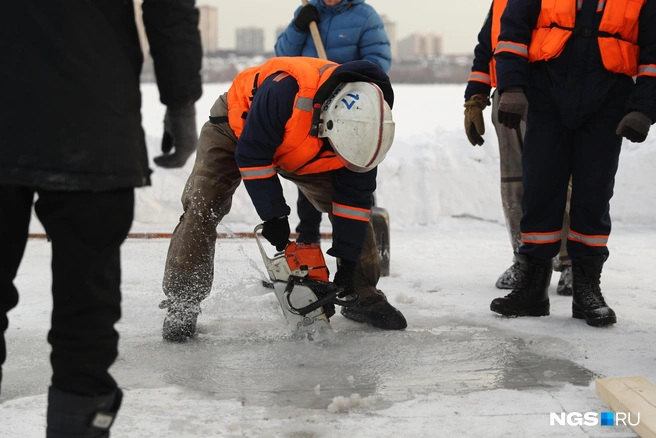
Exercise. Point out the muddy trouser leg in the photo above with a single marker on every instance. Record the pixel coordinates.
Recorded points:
(318, 189)
(206, 199)
(563, 259)
(511, 144)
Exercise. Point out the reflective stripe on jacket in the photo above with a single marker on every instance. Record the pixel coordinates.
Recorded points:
(300, 152)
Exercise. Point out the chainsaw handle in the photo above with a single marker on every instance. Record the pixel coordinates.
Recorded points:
(265, 257)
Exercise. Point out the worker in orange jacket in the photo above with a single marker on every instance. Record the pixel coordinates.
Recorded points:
(511, 143)
(323, 126)
(567, 67)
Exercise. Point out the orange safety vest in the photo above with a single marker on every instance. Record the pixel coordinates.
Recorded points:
(498, 6)
(617, 39)
(299, 152)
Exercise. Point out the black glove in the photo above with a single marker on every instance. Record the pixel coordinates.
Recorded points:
(345, 277)
(474, 124)
(634, 126)
(179, 133)
(306, 15)
(513, 107)
(276, 231)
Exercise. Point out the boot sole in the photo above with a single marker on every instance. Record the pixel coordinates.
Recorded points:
(595, 322)
(535, 311)
(396, 322)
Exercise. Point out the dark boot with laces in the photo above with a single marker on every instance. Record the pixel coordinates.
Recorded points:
(510, 278)
(530, 296)
(588, 302)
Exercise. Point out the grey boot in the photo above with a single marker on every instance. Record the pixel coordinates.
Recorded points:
(510, 278)
(78, 416)
(588, 303)
(180, 321)
(565, 282)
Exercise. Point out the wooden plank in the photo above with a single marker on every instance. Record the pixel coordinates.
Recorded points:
(631, 395)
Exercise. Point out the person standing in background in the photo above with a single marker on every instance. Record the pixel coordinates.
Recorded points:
(71, 133)
(482, 79)
(350, 30)
(568, 69)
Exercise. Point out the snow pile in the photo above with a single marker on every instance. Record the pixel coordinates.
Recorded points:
(345, 404)
(431, 172)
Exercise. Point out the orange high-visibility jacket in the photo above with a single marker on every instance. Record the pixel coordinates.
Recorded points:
(617, 34)
(494, 28)
(298, 147)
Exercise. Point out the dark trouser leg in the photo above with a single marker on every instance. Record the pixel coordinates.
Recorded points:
(308, 227)
(14, 222)
(595, 162)
(546, 164)
(207, 198)
(86, 230)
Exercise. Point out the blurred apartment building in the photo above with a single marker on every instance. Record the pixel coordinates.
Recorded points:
(249, 41)
(420, 46)
(207, 24)
(390, 29)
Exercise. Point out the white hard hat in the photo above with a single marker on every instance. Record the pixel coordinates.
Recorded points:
(358, 123)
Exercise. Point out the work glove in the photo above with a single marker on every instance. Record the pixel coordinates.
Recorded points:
(634, 126)
(306, 15)
(345, 277)
(474, 124)
(276, 231)
(513, 107)
(179, 135)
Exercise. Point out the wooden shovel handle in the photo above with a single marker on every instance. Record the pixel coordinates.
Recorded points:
(316, 37)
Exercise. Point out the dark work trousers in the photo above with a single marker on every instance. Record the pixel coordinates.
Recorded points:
(511, 144)
(554, 149)
(308, 227)
(86, 231)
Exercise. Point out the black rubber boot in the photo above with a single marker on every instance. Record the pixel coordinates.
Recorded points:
(180, 321)
(77, 416)
(373, 308)
(565, 282)
(588, 302)
(510, 278)
(530, 297)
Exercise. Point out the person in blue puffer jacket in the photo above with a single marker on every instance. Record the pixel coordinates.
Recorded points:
(350, 30)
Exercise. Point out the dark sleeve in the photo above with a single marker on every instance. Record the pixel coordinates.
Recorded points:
(479, 79)
(643, 97)
(511, 54)
(174, 39)
(352, 200)
(263, 132)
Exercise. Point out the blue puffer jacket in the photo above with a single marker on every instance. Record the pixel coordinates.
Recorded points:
(350, 31)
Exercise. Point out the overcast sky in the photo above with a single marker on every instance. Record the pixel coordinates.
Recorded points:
(458, 21)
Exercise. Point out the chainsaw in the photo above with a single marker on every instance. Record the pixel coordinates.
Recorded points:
(300, 282)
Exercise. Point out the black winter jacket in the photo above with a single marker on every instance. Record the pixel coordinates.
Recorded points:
(69, 88)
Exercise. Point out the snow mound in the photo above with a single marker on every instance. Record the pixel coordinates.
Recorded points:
(345, 404)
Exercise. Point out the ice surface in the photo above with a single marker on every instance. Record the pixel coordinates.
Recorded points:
(458, 370)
